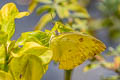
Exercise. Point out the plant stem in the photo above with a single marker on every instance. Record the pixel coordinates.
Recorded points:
(6, 59)
(68, 74)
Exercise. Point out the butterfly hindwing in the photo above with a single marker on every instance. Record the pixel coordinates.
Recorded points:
(72, 49)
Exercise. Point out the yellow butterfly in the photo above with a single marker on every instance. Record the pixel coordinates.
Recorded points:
(72, 49)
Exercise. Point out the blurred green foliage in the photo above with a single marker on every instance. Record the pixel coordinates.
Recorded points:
(110, 11)
(69, 10)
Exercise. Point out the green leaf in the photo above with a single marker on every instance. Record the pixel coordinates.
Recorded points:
(3, 37)
(5, 76)
(32, 5)
(61, 28)
(0, 19)
(44, 1)
(2, 54)
(79, 11)
(8, 11)
(62, 11)
(43, 8)
(108, 65)
(44, 53)
(80, 15)
(80, 25)
(111, 78)
(44, 20)
(114, 33)
(8, 14)
(22, 14)
(32, 48)
(46, 57)
(32, 61)
(36, 36)
(90, 66)
(27, 67)
(118, 49)
(11, 45)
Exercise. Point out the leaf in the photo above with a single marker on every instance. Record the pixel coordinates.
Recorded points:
(22, 14)
(44, 53)
(89, 67)
(8, 14)
(2, 54)
(76, 7)
(3, 37)
(11, 46)
(107, 65)
(0, 19)
(114, 33)
(44, 1)
(118, 49)
(9, 10)
(72, 49)
(36, 36)
(80, 24)
(44, 20)
(34, 69)
(32, 61)
(32, 5)
(78, 10)
(46, 57)
(62, 11)
(43, 8)
(79, 15)
(116, 77)
(32, 48)
(5, 76)
(27, 67)
(61, 28)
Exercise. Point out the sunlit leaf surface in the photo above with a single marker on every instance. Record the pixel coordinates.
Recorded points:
(31, 62)
(8, 13)
(5, 76)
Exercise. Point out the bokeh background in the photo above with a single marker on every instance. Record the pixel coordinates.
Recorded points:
(27, 24)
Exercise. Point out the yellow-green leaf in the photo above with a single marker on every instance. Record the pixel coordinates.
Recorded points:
(2, 54)
(89, 67)
(31, 61)
(22, 14)
(62, 11)
(3, 37)
(36, 36)
(44, 53)
(43, 8)
(5, 76)
(44, 1)
(46, 57)
(44, 20)
(61, 28)
(9, 10)
(32, 5)
(27, 67)
(0, 19)
(78, 10)
(32, 48)
(8, 14)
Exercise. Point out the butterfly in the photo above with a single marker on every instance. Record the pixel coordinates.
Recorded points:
(72, 49)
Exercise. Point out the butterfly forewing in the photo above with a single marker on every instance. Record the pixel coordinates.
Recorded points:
(72, 49)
